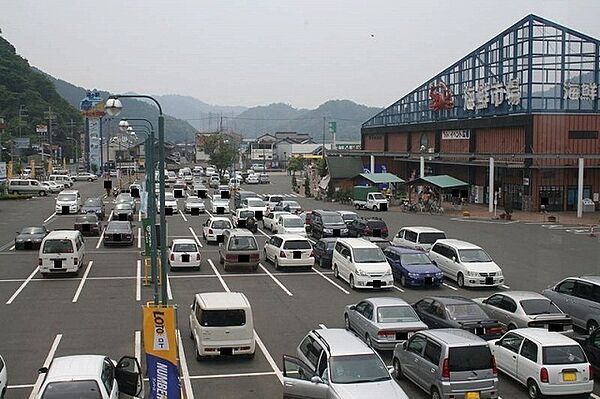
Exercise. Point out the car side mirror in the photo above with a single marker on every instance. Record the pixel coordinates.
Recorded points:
(405, 345)
(454, 259)
(316, 380)
(498, 343)
(353, 307)
(43, 370)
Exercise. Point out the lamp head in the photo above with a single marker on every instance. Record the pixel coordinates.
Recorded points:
(113, 106)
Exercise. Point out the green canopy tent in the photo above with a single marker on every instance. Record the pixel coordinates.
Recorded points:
(438, 184)
(381, 178)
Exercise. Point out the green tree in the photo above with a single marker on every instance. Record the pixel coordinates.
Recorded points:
(295, 164)
(222, 152)
(322, 167)
(307, 191)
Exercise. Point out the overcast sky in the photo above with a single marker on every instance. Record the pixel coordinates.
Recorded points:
(301, 52)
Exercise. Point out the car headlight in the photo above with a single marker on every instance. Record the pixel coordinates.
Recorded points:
(472, 274)
(413, 275)
(499, 273)
(328, 231)
(360, 272)
(388, 272)
(439, 275)
(19, 240)
(344, 230)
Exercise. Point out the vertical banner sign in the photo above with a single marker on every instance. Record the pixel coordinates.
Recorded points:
(160, 345)
(147, 232)
(94, 146)
(92, 108)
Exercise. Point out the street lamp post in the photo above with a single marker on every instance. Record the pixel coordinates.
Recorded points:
(113, 106)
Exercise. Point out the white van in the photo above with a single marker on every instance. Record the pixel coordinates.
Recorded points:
(418, 237)
(221, 324)
(361, 263)
(62, 251)
(68, 201)
(64, 179)
(27, 186)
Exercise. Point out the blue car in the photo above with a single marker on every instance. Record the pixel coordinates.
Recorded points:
(413, 268)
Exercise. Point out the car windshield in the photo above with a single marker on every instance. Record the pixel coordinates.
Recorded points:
(221, 224)
(376, 224)
(291, 204)
(378, 196)
(369, 255)
(396, 314)
(539, 306)
(57, 246)
(87, 389)
(356, 369)
(223, 318)
(169, 197)
(430, 238)
(118, 226)
(567, 354)
(415, 259)
(66, 197)
(255, 202)
(474, 255)
(32, 230)
(185, 247)
(275, 198)
(195, 200)
(332, 219)
(468, 358)
(293, 222)
(297, 244)
(465, 311)
(246, 214)
(92, 202)
(349, 216)
(123, 207)
(244, 243)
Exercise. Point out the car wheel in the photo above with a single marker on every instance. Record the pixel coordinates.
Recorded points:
(336, 272)
(403, 281)
(533, 390)
(368, 341)
(42, 193)
(397, 368)
(199, 357)
(435, 394)
(357, 206)
(221, 260)
(591, 326)
(276, 263)
(460, 280)
(265, 255)
(90, 180)
(375, 208)
(352, 282)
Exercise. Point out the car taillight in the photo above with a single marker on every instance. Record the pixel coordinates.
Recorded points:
(445, 369)
(591, 372)
(494, 368)
(544, 374)
(39, 261)
(312, 254)
(172, 256)
(210, 231)
(494, 330)
(127, 236)
(368, 230)
(77, 226)
(387, 334)
(254, 256)
(197, 256)
(75, 260)
(282, 254)
(230, 257)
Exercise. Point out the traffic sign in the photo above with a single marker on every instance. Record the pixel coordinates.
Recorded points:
(332, 127)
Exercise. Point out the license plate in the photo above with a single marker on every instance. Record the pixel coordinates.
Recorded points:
(569, 376)
(297, 255)
(472, 395)
(377, 283)
(185, 258)
(489, 280)
(428, 280)
(58, 264)
(336, 233)
(376, 233)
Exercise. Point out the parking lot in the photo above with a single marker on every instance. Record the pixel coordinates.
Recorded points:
(99, 310)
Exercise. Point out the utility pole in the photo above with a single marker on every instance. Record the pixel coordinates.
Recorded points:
(72, 124)
(50, 116)
(324, 123)
(23, 113)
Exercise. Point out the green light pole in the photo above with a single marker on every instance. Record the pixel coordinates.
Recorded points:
(114, 107)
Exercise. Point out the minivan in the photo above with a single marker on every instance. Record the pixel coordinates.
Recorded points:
(62, 251)
(221, 324)
(448, 363)
(328, 224)
(68, 201)
(239, 248)
(417, 237)
(27, 186)
(361, 263)
(241, 195)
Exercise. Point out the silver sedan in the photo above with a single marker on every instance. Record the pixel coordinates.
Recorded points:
(382, 322)
(521, 309)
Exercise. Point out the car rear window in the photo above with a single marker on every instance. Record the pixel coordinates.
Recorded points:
(567, 354)
(467, 358)
(297, 244)
(539, 306)
(221, 224)
(58, 247)
(223, 318)
(376, 224)
(185, 248)
(275, 198)
(87, 389)
(430, 238)
(243, 244)
(396, 314)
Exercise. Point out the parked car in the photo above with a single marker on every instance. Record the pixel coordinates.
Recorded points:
(591, 347)
(547, 363)
(271, 217)
(240, 195)
(289, 250)
(52, 187)
(184, 252)
(127, 198)
(220, 206)
(214, 228)
(194, 205)
(361, 263)
(272, 200)
(371, 226)
(244, 219)
(68, 202)
(252, 179)
(323, 251)
(3, 378)
(466, 263)
(413, 268)
(170, 204)
(27, 186)
(256, 205)
(94, 205)
(118, 233)
(448, 363)
(30, 237)
(288, 206)
(84, 176)
(521, 309)
(239, 248)
(179, 188)
(123, 211)
(382, 322)
(62, 251)
(334, 363)
(263, 178)
(421, 238)
(457, 312)
(578, 297)
(87, 376)
(88, 224)
(348, 216)
(289, 224)
(328, 224)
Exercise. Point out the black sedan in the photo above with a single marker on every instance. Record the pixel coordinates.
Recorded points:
(94, 205)
(323, 251)
(457, 312)
(88, 224)
(30, 237)
(591, 347)
(123, 211)
(118, 233)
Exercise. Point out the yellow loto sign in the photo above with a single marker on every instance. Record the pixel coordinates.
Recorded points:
(160, 345)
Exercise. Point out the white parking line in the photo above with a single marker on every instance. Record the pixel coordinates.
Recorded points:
(182, 215)
(48, 218)
(264, 350)
(20, 386)
(311, 240)
(11, 248)
(196, 237)
(506, 287)
(139, 236)
(331, 281)
(102, 235)
(323, 326)
(449, 286)
(140, 215)
(41, 376)
(209, 214)
(169, 292)
(593, 395)
(210, 262)
(138, 280)
(235, 375)
(87, 271)
(263, 233)
(276, 280)
(398, 288)
(185, 374)
(137, 346)
(18, 291)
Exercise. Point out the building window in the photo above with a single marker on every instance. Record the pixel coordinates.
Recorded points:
(583, 134)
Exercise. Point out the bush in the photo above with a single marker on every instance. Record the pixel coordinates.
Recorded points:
(294, 183)
(307, 191)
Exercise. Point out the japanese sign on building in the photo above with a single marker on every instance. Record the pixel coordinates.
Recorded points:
(41, 129)
(464, 134)
(583, 91)
(486, 94)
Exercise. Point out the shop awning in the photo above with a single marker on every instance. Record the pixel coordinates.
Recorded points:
(381, 178)
(344, 168)
(440, 181)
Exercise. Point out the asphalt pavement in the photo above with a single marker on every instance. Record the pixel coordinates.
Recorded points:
(99, 310)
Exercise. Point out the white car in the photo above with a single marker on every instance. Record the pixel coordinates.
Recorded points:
(192, 202)
(3, 378)
(289, 224)
(255, 204)
(271, 217)
(170, 204)
(171, 177)
(56, 184)
(184, 253)
(548, 363)
(80, 375)
(214, 227)
(466, 263)
(361, 263)
(289, 250)
(273, 199)
(234, 184)
(68, 202)
(418, 237)
(220, 206)
(252, 179)
(52, 188)
(83, 176)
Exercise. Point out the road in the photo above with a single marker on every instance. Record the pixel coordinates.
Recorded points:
(98, 311)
